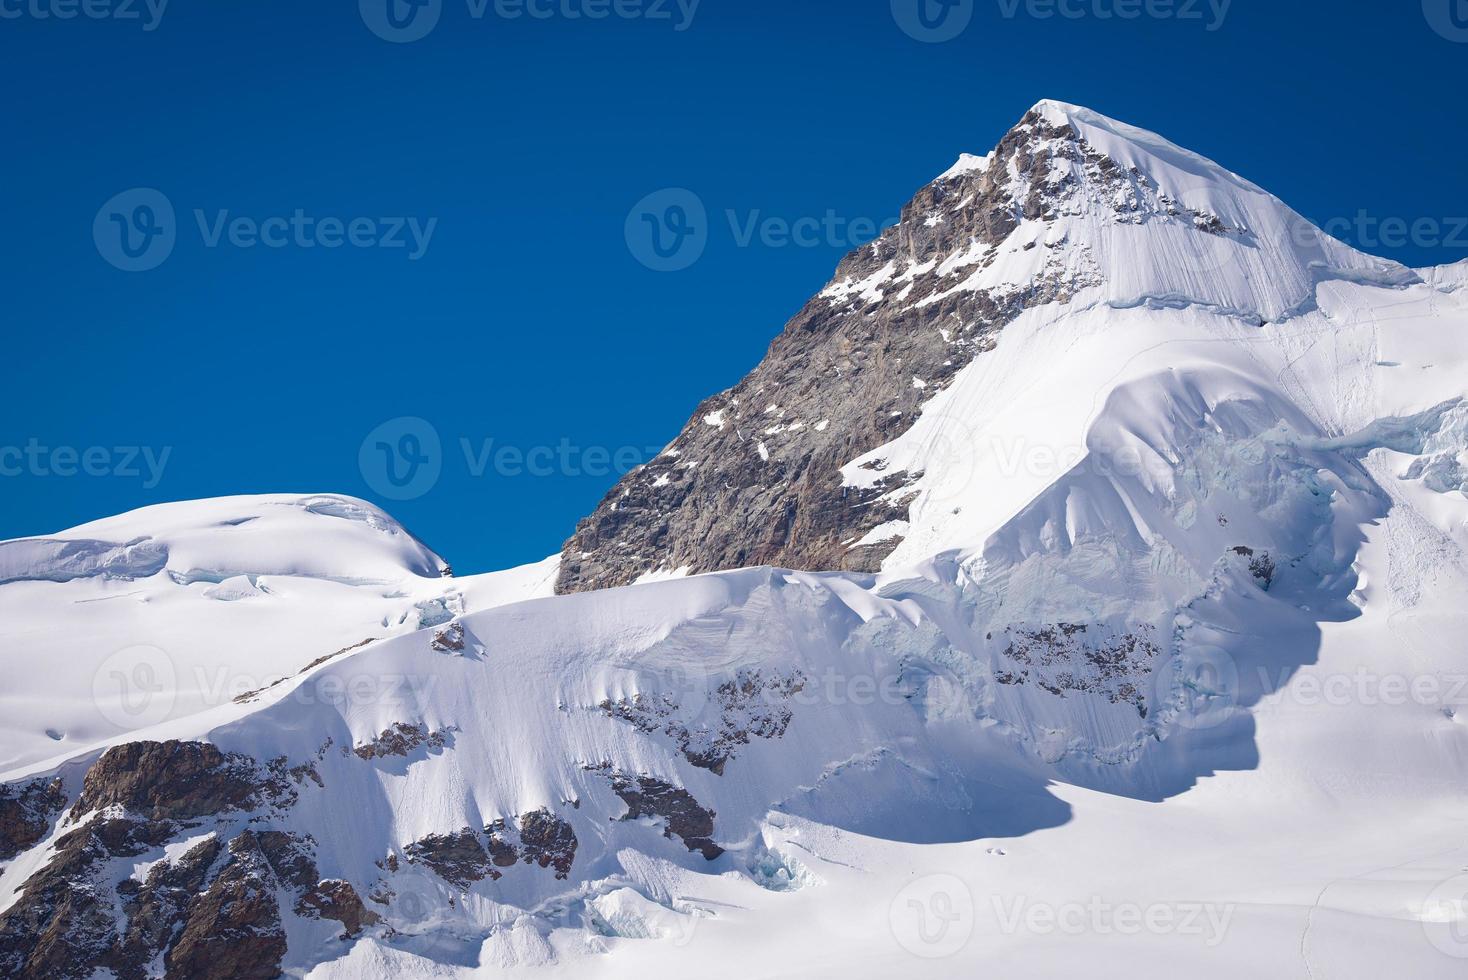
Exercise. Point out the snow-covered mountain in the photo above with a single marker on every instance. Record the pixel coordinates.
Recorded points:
(1130, 519)
(1073, 215)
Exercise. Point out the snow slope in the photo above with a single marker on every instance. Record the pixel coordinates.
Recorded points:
(200, 602)
(1166, 672)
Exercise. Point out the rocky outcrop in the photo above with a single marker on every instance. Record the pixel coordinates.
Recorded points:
(26, 813)
(450, 639)
(401, 740)
(754, 477)
(548, 841)
(685, 818)
(1082, 658)
(63, 925)
(157, 906)
(1261, 566)
(233, 929)
(749, 705)
(210, 914)
(338, 900)
(111, 898)
(174, 781)
(463, 858)
(458, 858)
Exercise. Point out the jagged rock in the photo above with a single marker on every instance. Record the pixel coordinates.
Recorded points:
(158, 906)
(1261, 566)
(63, 925)
(173, 781)
(504, 852)
(26, 811)
(463, 858)
(1082, 658)
(338, 900)
(549, 841)
(402, 739)
(450, 639)
(233, 930)
(208, 913)
(750, 705)
(753, 478)
(289, 857)
(686, 819)
(458, 858)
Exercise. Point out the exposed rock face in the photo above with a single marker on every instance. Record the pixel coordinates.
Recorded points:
(337, 899)
(539, 837)
(458, 858)
(63, 926)
(402, 739)
(548, 841)
(687, 819)
(753, 478)
(210, 914)
(450, 639)
(111, 898)
(234, 929)
(172, 781)
(749, 705)
(157, 908)
(1077, 657)
(26, 811)
(1261, 565)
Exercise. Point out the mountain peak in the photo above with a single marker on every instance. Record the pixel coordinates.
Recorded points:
(1072, 210)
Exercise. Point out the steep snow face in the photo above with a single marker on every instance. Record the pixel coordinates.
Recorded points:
(1003, 431)
(178, 608)
(1160, 225)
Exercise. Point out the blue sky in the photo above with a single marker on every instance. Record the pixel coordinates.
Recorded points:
(369, 230)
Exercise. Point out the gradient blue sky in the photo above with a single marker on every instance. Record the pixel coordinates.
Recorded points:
(528, 320)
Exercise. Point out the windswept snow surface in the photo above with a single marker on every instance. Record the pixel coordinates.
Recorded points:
(179, 608)
(1166, 674)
